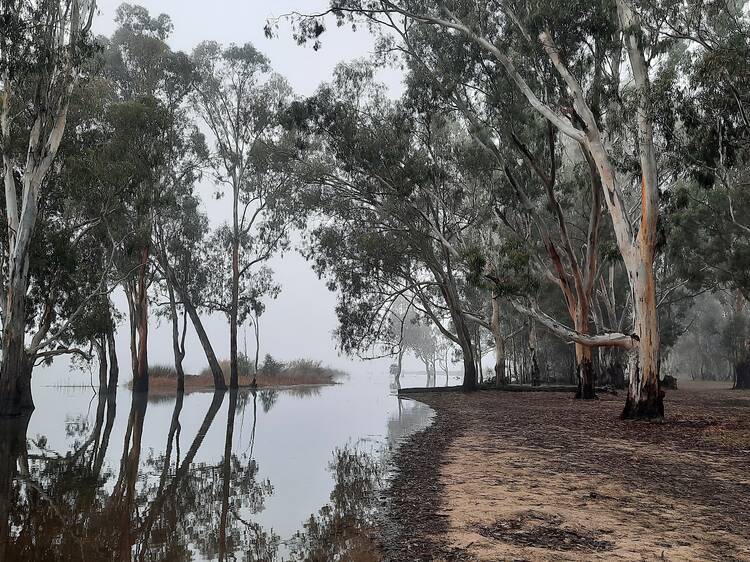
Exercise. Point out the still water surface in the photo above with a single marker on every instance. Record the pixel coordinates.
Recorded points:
(273, 476)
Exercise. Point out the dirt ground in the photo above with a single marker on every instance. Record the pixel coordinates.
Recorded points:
(541, 476)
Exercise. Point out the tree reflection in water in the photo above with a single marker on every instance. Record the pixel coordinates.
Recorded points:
(165, 505)
(341, 530)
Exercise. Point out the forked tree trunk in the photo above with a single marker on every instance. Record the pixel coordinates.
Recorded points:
(195, 319)
(177, 344)
(497, 335)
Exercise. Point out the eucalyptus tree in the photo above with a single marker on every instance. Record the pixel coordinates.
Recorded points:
(152, 83)
(42, 49)
(396, 206)
(242, 101)
(562, 49)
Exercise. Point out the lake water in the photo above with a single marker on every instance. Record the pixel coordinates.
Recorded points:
(272, 476)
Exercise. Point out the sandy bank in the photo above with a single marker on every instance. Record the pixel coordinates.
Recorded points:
(540, 476)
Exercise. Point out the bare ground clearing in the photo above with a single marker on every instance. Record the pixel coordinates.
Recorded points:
(541, 476)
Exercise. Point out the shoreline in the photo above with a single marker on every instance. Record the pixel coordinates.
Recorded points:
(541, 476)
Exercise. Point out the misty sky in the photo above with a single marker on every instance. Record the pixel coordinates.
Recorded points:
(299, 323)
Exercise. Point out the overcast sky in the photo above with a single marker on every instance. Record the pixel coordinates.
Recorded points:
(300, 322)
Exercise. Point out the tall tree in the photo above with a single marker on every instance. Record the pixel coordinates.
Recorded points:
(43, 47)
(241, 102)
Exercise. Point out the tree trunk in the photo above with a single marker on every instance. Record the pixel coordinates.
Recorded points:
(464, 340)
(177, 348)
(114, 367)
(256, 329)
(645, 398)
(497, 335)
(742, 375)
(585, 373)
(99, 346)
(470, 367)
(140, 382)
(584, 355)
(213, 363)
(400, 364)
(234, 309)
(15, 371)
(133, 324)
(534, 363)
(479, 355)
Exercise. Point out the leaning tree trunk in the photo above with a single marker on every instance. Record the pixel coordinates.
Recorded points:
(467, 351)
(213, 362)
(497, 335)
(463, 334)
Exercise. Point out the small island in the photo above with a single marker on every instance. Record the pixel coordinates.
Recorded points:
(271, 374)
